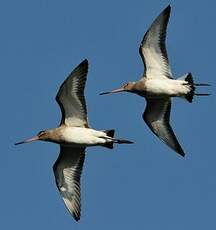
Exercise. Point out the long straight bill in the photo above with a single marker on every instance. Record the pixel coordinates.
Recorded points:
(27, 140)
(113, 91)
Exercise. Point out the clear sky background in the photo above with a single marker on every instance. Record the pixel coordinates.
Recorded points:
(140, 186)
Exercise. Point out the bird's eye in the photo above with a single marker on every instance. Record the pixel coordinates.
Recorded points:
(41, 132)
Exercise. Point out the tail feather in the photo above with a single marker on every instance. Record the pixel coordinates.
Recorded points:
(110, 132)
(190, 94)
(109, 144)
(189, 79)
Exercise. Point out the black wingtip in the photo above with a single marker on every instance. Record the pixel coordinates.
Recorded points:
(166, 11)
(181, 154)
(178, 149)
(76, 217)
(84, 62)
(83, 65)
(168, 8)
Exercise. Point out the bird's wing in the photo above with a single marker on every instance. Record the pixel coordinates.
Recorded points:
(71, 97)
(157, 116)
(153, 48)
(67, 170)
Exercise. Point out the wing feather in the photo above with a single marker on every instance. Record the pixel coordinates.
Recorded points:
(153, 48)
(157, 116)
(67, 170)
(71, 97)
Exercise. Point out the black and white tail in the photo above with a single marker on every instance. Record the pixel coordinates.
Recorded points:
(110, 133)
(189, 79)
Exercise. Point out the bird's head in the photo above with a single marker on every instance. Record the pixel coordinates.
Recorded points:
(41, 136)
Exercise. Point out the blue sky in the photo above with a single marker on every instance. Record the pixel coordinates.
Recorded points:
(145, 185)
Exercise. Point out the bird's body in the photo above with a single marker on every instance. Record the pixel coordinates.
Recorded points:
(157, 84)
(161, 88)
(74, 135)
(77, 136)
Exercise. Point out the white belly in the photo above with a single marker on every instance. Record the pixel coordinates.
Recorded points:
(82, 137)
(157, 88)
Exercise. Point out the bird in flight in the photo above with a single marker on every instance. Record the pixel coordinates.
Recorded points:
(74, 135)
(157, 84)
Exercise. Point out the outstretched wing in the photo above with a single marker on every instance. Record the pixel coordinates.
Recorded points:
(153, 48)
(71, 97)
(67, 170)
(157, 116)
